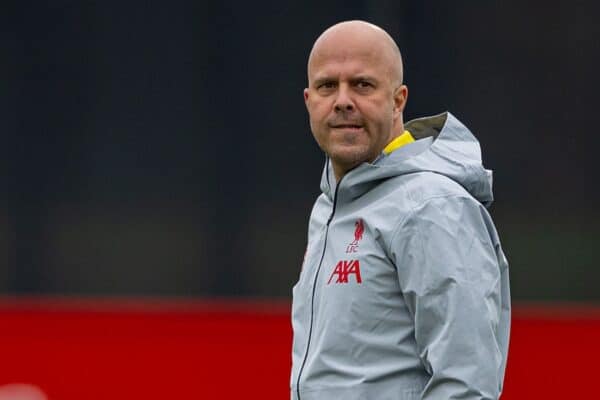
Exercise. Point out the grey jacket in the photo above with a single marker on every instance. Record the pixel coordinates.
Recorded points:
(404, 290)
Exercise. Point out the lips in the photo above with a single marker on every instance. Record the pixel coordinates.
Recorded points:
(347, 126)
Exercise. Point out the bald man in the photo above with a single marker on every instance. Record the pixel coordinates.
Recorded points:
(404, 291)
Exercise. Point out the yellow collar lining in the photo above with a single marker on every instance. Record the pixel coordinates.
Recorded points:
(398, 142)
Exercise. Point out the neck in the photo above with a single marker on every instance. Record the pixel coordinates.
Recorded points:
(340, 170)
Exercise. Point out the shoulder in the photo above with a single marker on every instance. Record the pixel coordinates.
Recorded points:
(451, 216)
(405, 194)
(421, 187)
(426, 200)
(394, 202)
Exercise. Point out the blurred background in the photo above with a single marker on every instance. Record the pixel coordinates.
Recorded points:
(163, 148)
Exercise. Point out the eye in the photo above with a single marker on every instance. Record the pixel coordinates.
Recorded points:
(364, 84)
(326, 85)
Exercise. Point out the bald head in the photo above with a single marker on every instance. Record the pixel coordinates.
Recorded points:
(353, 36)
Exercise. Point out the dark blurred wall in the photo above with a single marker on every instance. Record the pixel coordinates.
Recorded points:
(164, 149)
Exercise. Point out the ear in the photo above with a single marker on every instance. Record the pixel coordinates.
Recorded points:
(306, 97)
(400, 97)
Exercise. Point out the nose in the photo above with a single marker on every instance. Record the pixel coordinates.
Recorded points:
(343, 102)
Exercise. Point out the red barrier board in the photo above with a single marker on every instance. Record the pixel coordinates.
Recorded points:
(150, 349)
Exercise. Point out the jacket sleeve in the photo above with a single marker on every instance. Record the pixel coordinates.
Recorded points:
(454, 279)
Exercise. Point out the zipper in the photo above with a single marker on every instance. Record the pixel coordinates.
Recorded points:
(312, 300)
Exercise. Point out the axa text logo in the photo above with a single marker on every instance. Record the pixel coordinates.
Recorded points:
(343, 269)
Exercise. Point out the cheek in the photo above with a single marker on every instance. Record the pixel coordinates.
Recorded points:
(320, 137)
(380, 114)
(318, 112)
(315, 124)
(318, 126)
(314, 128)
(318, 118)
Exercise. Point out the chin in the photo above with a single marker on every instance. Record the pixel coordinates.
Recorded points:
(350, 157)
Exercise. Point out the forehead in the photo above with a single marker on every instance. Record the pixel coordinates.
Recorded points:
(347, 62)
(348, 56)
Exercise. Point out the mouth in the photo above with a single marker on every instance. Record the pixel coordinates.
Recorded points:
(347, 126)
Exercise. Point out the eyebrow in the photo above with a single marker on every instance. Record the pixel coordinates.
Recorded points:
(354, 79)
(363, 78)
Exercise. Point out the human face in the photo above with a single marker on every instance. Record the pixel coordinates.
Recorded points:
(354, 102)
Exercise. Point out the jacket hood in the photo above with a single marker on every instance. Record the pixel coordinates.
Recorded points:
(443, 145)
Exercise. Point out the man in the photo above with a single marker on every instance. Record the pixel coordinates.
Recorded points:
(404, 289)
